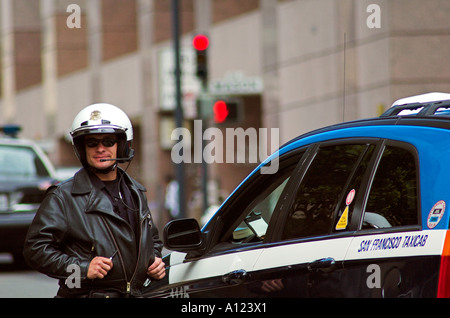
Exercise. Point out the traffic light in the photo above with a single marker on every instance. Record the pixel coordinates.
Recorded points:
(225, 111)
(200, 44)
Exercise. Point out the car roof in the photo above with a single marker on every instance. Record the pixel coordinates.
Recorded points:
(407, 126)
(16, 141)
(423, 98)
(9, 138)
(430, 110)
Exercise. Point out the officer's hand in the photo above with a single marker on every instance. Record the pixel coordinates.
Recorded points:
(157, 270)
(99, 267)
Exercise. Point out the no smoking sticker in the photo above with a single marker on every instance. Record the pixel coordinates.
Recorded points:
(350, 197)
(343, 220)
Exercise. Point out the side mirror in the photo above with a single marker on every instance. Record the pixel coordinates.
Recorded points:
(182, 235)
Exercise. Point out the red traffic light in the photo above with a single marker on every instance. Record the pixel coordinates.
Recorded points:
(220, 110)
(200, 42)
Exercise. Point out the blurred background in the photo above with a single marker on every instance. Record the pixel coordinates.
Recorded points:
(293, 65)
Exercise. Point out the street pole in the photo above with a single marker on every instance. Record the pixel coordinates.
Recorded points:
(179, 173)
(204, 164)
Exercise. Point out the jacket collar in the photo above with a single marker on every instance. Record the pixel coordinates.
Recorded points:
(98, 201)
(82, 183)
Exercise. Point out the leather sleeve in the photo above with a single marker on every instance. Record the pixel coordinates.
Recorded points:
(42, 248)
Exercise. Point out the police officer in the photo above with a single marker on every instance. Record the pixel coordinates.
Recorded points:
(97, 225)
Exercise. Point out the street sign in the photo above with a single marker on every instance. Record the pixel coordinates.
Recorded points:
(190, 85)
(236, 83)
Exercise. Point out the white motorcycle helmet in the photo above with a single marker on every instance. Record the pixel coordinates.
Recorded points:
(102, 118)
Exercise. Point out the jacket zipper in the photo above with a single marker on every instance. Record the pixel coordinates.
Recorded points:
(128, 288)
(139, 249)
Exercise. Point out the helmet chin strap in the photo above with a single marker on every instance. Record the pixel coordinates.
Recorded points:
(103, 171)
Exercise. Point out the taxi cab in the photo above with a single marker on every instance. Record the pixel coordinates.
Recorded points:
(357, 209)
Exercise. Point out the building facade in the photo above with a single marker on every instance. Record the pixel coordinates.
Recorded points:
(293, 65)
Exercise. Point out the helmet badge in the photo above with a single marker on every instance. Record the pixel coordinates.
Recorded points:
(96, 115)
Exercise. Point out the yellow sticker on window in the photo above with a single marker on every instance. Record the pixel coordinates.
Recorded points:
(343, 220)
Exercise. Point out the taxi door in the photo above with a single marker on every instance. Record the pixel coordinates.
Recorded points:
(218, 276)
(303, 269)
(396, 251)
(314, 232)
(234, 240)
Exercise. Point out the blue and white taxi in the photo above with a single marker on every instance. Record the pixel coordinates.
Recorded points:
(358, 209)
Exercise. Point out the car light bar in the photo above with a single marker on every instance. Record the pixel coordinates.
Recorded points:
(421, 105)
(11, 130)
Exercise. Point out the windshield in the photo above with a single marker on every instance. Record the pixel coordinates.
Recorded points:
(20, 162)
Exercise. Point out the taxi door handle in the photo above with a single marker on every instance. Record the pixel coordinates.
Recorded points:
(324, 265)
(235, 277)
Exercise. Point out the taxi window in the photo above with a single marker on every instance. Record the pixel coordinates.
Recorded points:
(393, 195)
(331, 176)
(256, 222)
(256, 204)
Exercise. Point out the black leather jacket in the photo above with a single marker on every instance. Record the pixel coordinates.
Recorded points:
(76, 222)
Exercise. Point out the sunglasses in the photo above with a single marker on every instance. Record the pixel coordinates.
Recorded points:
(107, 142)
